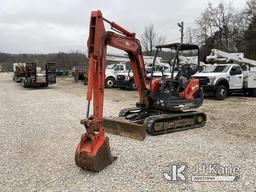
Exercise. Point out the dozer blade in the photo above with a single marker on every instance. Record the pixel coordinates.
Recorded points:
(94, 162)
(121, 126)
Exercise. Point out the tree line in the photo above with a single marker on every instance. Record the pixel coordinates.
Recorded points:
(218, 27)
(225, 28)
(64, 61)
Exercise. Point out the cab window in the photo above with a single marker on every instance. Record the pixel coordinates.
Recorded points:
(121, 67)
(236, 70)
(117, 68)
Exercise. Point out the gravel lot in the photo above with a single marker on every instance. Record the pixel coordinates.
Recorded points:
(40, 128)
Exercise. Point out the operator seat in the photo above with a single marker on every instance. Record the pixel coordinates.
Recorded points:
(184, 74)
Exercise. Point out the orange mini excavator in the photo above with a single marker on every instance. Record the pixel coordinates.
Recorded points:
(163, 102)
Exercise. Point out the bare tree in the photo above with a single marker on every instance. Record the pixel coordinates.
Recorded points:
(149, 39)
(205, 28)
(250, 10)
(221, 24)
(160, 40)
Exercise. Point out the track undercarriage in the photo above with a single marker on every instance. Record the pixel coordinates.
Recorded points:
(135, 122)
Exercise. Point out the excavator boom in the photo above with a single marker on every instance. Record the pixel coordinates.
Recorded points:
(93, 151)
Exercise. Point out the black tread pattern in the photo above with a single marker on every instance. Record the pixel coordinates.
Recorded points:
(149, 122)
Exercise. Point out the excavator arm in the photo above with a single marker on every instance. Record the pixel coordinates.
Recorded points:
(93, 151)
(97, 46)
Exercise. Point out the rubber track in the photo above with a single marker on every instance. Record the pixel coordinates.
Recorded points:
(150, 121)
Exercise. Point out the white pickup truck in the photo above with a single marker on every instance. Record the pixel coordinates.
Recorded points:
(113, 70)
(126, 81)
(222, 79)
(111, 73)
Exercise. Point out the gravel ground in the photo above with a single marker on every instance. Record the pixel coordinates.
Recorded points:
(39, 131)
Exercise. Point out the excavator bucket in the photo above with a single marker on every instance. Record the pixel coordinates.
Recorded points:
(91, 161)
(93, 152)
(122, 127)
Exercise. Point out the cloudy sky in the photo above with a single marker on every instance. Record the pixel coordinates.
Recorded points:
(43, 26)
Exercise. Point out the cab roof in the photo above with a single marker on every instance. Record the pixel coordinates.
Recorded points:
(179, 45)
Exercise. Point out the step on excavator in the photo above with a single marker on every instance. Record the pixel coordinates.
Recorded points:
(164, 103)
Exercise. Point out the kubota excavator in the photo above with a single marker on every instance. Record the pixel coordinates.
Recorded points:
(162, 101)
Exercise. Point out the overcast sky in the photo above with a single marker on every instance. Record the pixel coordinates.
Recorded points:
(43, 26)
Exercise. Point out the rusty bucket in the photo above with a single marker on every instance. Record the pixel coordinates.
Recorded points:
(93, 161)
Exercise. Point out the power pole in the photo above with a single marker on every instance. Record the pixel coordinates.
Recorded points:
(181, 25)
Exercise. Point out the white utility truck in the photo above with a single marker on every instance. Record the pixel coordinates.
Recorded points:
(227, 76)
(222, 79)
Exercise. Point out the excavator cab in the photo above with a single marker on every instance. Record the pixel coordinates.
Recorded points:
(170, 98)
(179, 91)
